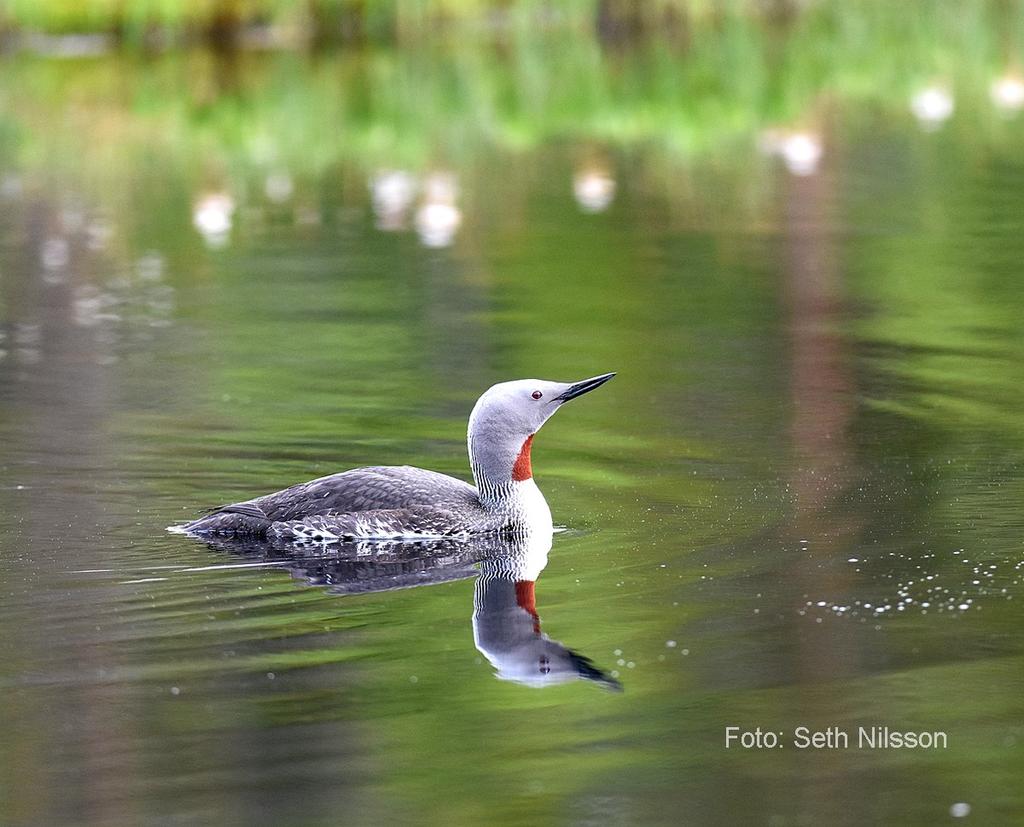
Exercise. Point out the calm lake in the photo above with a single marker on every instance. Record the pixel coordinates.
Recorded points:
(799, 504)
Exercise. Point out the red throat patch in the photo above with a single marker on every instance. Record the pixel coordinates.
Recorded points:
(526, 599)
(522, 470)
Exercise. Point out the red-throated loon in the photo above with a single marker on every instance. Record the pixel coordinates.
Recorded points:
(402, 502)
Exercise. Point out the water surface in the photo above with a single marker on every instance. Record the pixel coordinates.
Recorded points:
(798, 504)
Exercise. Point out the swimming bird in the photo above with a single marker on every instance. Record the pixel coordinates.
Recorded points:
(403, 502)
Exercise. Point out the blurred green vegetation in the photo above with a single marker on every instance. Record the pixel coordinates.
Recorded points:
(693, 109)
(143, 23)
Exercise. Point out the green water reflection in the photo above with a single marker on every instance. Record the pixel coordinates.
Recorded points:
(798, 504)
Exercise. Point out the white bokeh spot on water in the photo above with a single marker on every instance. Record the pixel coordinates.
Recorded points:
(801, 152)
(438, 218)
(594, 190)
(1007, 93)
(212, 217)
(392, 192)
(932, 106)
(279, 186)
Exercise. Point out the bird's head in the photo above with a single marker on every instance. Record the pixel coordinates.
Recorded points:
(506, 417)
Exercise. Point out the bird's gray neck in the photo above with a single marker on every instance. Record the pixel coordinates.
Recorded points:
(492, 457)
(505, 485)
(492, 491)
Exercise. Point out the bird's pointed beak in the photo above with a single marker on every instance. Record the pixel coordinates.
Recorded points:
(585, 669)
(583, 387)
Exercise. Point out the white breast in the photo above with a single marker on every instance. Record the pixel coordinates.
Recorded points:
(531, 507)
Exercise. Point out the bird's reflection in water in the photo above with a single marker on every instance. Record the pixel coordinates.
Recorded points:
(506, 626)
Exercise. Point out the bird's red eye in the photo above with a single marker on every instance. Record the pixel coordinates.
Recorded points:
(536, 394)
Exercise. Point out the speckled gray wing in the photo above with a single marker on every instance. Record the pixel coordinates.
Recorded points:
(414, 522)
(375, 488)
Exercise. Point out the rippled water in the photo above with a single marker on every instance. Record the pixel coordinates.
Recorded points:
(798, 504)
